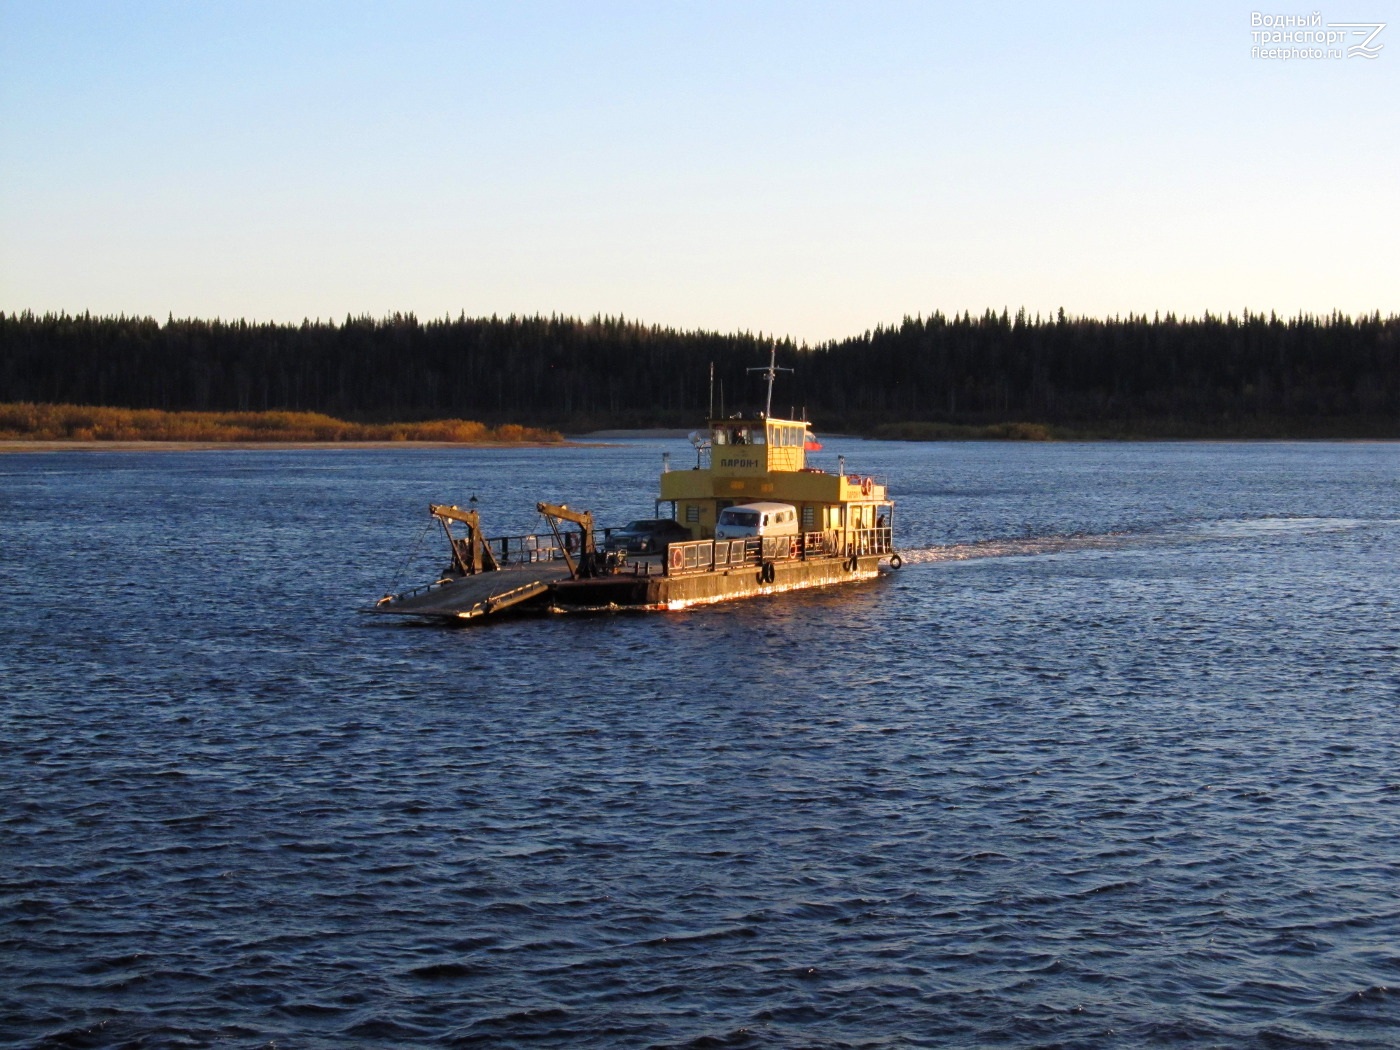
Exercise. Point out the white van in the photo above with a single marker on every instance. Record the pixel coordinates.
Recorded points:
(756, 519)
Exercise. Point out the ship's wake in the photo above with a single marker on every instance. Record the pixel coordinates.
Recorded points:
(1018, 547)
(1189, 533)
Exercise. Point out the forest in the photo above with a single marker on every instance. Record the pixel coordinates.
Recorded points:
(992, 375)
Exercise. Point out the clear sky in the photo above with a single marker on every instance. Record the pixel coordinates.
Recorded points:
(807, 169)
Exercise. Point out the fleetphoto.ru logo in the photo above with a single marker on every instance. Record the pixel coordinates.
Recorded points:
(1305, 36)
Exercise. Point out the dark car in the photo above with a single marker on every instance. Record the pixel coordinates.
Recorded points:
(646, 535)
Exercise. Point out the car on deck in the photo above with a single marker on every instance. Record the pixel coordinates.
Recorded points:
(646, 536)
(756, 519)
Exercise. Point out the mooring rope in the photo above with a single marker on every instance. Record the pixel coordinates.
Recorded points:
(413, 552)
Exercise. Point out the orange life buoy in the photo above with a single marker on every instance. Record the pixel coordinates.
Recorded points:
(677, 558)
(867, 486)
(792, 551)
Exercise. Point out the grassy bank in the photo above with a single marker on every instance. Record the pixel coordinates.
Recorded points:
(40, 422)
(23, 421)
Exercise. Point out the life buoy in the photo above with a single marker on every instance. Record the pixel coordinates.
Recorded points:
(896, 562)
(792, 549)
(867, 486)
(677, 558)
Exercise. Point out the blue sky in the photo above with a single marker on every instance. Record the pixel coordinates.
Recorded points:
(803, 169)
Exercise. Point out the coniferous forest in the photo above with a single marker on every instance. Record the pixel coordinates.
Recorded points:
(993, 375)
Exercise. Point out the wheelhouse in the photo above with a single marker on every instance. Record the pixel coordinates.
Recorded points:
(746, 461)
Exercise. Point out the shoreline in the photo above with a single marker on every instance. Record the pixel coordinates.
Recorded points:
(603, 438)
(640, 432)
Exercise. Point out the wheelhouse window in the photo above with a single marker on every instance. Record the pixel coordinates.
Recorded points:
(736, 434)
(787, 437)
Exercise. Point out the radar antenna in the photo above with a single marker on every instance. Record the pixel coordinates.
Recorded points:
(702, 445)
(771, 372)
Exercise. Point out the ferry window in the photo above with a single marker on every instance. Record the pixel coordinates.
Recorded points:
(758, 438)
(720, 437)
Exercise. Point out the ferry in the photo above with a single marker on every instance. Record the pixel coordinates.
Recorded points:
(751, 518)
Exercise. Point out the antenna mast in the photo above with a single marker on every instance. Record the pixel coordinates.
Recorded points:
(771, 372)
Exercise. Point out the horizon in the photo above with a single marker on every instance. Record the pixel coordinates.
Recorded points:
(809, 173)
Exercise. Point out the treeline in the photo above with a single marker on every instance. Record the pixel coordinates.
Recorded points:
(1249, 374)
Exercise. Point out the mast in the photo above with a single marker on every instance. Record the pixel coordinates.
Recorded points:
(771, 372)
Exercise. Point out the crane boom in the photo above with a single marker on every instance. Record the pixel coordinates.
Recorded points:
(473, 554)
(557, 512)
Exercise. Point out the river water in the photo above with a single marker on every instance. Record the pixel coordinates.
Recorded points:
(1113, 761)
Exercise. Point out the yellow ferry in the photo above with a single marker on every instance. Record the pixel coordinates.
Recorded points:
(750, 518)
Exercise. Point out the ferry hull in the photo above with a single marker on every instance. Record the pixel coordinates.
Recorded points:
(704, 588)
(478, 599)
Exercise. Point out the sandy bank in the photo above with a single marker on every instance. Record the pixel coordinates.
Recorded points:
(656, 432)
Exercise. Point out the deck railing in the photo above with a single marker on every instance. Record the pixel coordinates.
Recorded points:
(711, 555)
(541, 546)
(871, 541)
(704, 555)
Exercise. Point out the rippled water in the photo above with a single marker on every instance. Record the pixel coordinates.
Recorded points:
(1111, 762)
